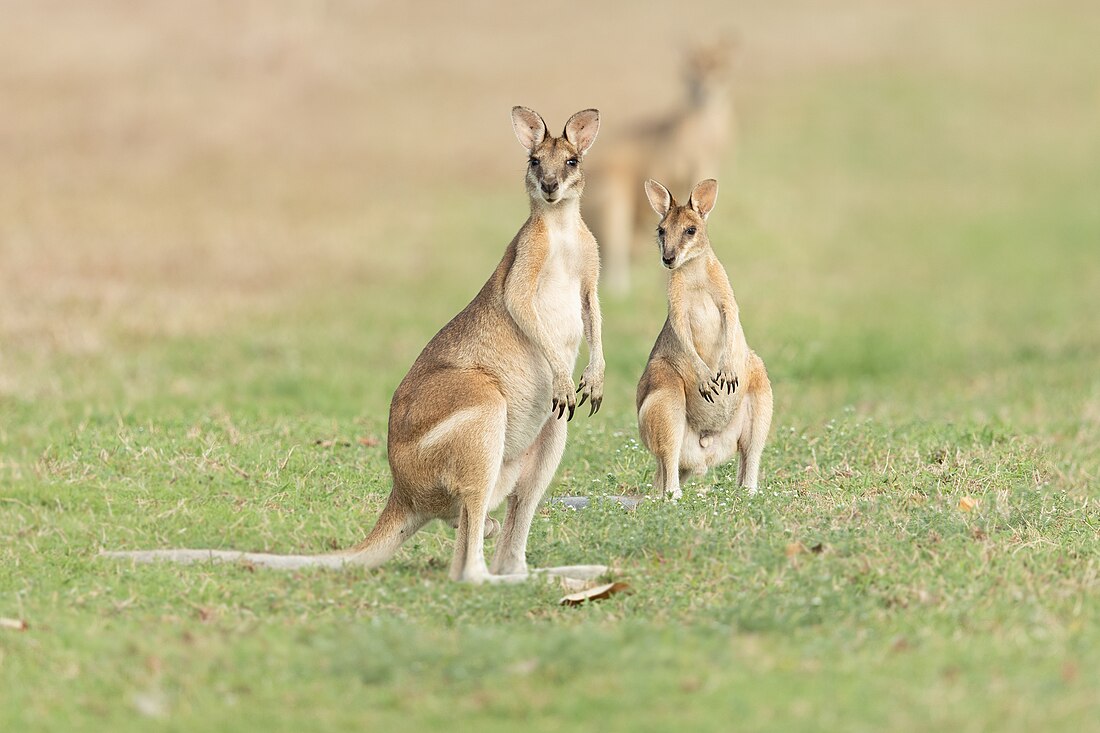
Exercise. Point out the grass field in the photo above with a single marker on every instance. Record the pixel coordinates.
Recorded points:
(226, 233)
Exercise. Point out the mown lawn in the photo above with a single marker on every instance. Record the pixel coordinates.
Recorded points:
(915, 245)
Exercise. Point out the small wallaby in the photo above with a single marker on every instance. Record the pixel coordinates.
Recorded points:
(681, 147)
(704, 393)
(478, 418)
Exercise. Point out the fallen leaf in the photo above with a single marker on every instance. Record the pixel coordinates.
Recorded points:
(15, 624)
(794, 549)
(368, 441)
(332, 443)
(599, 593)
(967, 504)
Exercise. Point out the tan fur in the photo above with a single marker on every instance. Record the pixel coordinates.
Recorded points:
(479, 417)
(704, 394)
(683, 146)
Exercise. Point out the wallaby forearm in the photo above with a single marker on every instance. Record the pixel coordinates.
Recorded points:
(733, 338)
(593, 323)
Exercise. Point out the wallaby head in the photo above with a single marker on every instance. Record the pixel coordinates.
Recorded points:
(554, 170)
(682, 231)
(707, 69)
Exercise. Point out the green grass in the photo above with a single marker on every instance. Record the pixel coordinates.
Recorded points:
(914, 248)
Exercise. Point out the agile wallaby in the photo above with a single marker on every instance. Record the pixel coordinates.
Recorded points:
(682, 147)
(704, 394)
(478, 418)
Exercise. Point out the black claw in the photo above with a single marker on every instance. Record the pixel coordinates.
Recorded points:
(571, 409)
(583, 398)
(579, 387)
(598, 403)
(592, 408)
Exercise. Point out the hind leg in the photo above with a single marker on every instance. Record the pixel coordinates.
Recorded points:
(471, 474)
(662, 423)
(468, 564)
(537, 467)
(755, 434)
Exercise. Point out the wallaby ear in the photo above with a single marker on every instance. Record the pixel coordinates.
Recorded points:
(581, 129)
(659, 197)
(529, 127)
(703, 197)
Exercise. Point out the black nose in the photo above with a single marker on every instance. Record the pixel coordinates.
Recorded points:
(549, 186)
(667, 260)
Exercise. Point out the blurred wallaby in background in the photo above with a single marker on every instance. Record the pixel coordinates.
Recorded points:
(682, 146)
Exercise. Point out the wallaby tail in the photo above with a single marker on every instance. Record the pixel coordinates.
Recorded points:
(395, 525)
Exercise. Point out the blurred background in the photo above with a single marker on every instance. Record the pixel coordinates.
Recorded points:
(228, 228)
(909, 189)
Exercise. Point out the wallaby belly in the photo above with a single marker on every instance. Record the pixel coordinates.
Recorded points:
(529, 397)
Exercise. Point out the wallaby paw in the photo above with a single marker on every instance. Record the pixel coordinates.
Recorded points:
(726, 380)
(708, 388)
(564, 398)
(591, 386)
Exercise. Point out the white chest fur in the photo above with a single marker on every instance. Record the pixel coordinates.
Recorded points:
(705, 320)
(559, 285)
(704, 316)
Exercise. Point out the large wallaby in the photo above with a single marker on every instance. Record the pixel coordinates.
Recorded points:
(681, 147)
(479, 417)
(704, 393)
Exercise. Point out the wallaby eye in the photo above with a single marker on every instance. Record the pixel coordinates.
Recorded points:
(572, 162)
(661, 232)
(534, 162)
(690, 231)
